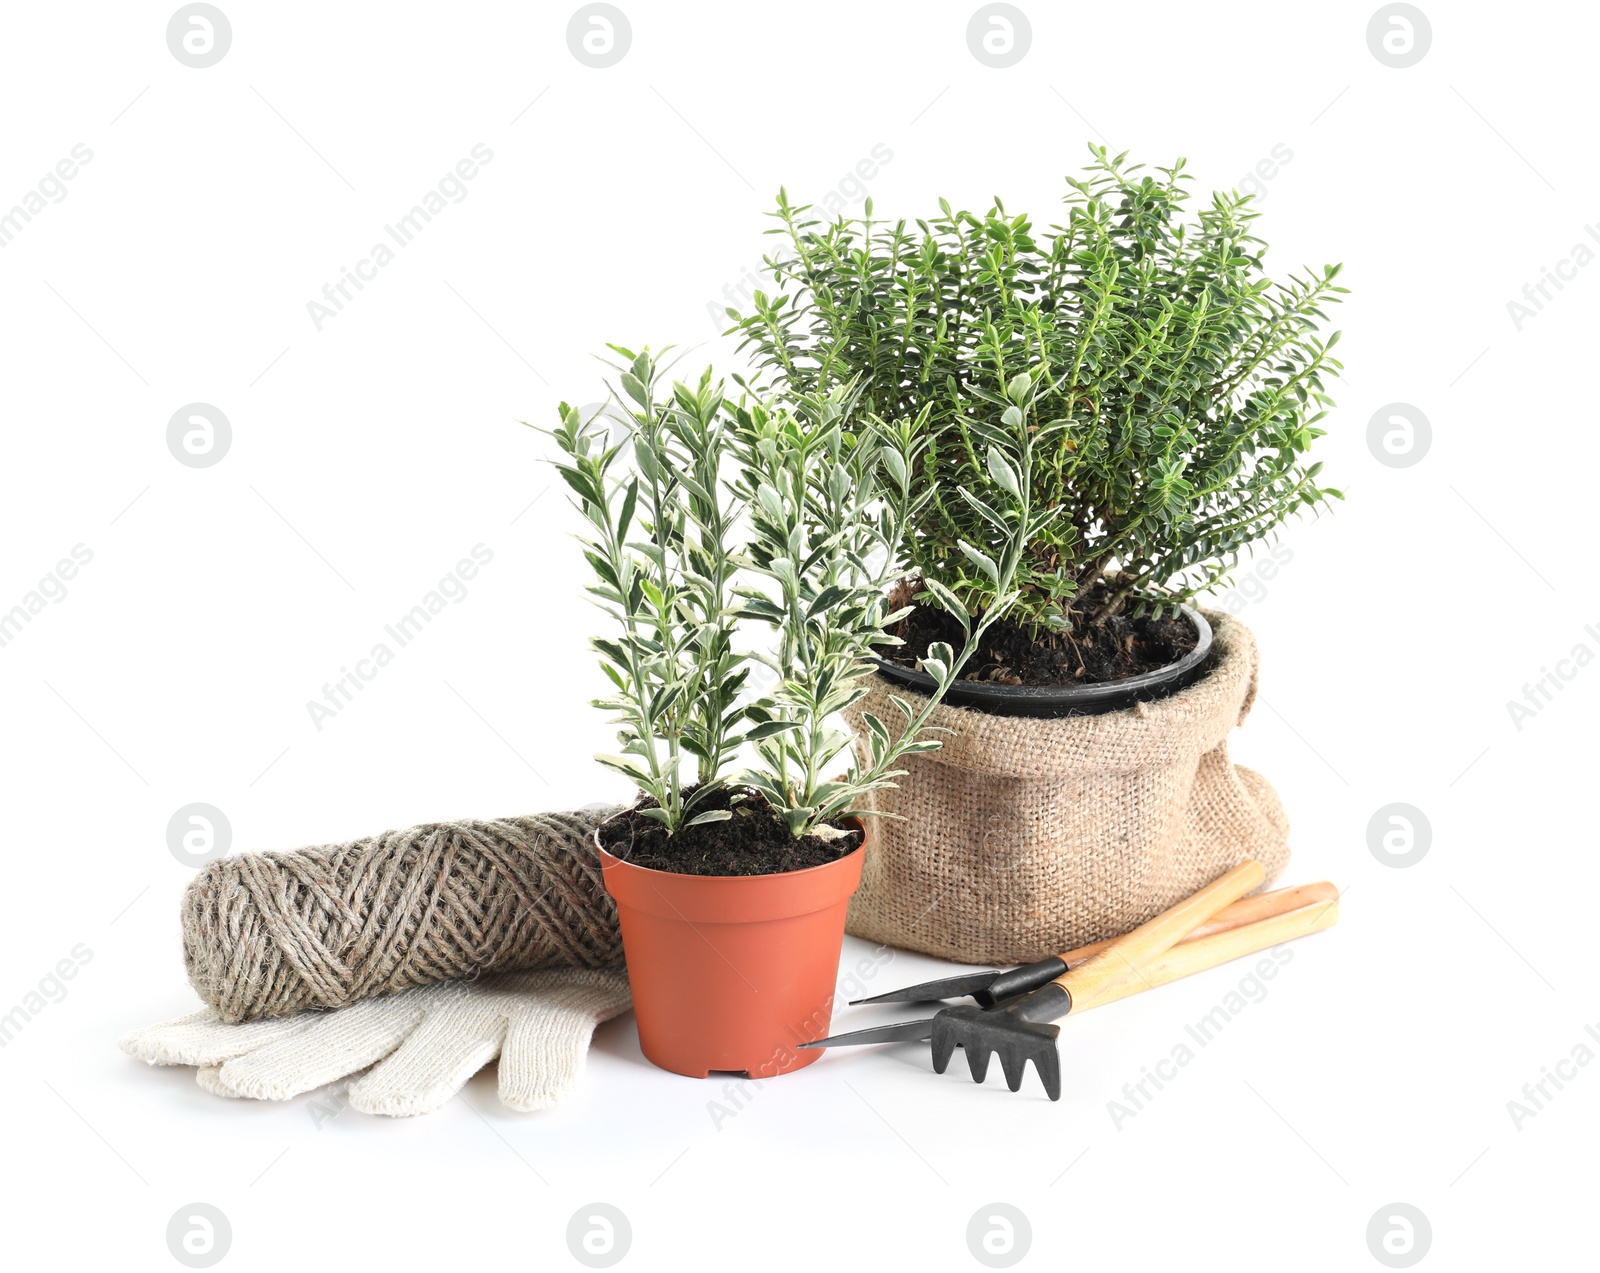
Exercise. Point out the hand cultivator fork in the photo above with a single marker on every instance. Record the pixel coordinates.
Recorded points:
(1022, 1027)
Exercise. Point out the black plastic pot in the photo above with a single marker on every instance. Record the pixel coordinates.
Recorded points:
(1066, 700)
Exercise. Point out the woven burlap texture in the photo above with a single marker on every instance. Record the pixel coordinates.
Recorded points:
(1021, 838)
(271, 934)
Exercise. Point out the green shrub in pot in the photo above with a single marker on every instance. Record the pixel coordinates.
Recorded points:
(1172, 392)
(1177, 390)
(732, 870)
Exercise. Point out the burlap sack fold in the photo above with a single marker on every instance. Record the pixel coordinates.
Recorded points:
(1022, 838)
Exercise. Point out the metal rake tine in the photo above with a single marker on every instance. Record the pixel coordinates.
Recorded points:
(1048, 1064)
(1015, 1063)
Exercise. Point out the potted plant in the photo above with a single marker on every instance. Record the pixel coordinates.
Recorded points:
(706, 519)
(1173, 391)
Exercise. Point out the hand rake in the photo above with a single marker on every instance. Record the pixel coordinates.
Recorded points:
(1022, 1028)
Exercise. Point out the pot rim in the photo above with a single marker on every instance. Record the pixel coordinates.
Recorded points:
(1098, 698)
(607, 857)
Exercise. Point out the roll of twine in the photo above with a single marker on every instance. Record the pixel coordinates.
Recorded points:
(272, 934)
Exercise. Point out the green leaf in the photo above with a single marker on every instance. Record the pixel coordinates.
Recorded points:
(948, 601)
(826, 600)
(1004, 475)
(628, 768)
(988, 513)
(635, 389)
(710, 815)
(630, 499)
(981, 560)
(877, 726)
(770, 729)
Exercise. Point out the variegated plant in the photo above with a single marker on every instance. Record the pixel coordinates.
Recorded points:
(710, 518)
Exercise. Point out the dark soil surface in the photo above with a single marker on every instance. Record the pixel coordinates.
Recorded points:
(752, 842)
(1088, 655)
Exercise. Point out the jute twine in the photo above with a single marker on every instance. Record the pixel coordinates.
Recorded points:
(1022, 838)
(272, 934)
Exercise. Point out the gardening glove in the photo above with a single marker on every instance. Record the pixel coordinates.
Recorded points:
(422, 1045)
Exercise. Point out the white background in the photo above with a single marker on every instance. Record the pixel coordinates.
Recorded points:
(369, 456)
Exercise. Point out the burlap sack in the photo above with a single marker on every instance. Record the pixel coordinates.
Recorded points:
(1022, 838)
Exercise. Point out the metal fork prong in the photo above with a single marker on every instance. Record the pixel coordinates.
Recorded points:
(944, 1046)
(1014, 1061)
(977, 1059)
(1048, 1063)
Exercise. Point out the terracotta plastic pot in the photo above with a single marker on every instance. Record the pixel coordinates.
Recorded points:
(730, 972)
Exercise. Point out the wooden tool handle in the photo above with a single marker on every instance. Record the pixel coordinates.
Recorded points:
(1247, 910)
(1102, 975)
(1191, 957)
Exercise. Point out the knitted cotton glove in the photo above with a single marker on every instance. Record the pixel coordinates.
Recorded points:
(422, 1045)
